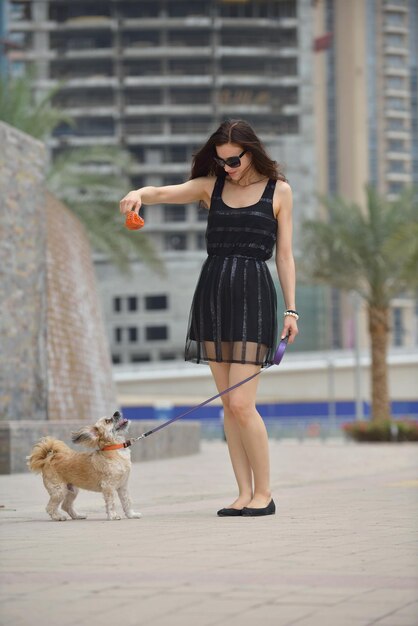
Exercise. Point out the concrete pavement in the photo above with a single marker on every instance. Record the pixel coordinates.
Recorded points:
(341, 550)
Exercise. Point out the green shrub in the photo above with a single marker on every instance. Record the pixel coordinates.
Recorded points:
(382, 430)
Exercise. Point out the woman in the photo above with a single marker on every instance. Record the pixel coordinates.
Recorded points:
(233, 320)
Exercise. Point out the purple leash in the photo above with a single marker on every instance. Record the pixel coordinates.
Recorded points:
(278, 355)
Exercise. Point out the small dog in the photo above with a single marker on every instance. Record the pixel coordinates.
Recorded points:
(64, 470)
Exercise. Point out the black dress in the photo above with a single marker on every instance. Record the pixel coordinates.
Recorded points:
(233, 317)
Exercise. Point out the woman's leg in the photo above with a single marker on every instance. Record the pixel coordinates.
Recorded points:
(252, 430)
(239, 459)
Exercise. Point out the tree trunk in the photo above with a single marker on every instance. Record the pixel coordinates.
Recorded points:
(379, 335)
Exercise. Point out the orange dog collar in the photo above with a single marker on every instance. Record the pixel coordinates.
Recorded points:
(116, 446)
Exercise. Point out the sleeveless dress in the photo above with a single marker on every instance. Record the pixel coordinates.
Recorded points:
(233, 316)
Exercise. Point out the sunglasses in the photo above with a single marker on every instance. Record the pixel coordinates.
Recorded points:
(234, 161)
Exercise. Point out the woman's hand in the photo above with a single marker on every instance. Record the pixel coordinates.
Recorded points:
(290, 328)
(132, 200)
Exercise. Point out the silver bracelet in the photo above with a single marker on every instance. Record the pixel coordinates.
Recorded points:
(291, 314)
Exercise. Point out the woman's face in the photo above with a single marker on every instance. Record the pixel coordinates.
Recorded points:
(228, 150)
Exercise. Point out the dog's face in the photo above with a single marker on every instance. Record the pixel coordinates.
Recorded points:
(106, 430)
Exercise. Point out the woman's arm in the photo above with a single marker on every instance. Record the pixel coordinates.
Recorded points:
(195, 190)
(285, 263)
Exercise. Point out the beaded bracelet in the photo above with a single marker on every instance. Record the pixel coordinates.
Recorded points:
(291, 313)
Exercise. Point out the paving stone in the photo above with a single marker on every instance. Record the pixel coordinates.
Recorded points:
(341, 549)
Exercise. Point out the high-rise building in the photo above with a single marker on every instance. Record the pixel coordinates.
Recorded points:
(157, 77)
(366, 114)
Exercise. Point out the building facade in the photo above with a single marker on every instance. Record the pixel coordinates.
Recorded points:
(366, 123)
(157, 77)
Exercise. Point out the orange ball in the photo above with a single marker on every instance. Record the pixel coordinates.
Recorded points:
(134, 221)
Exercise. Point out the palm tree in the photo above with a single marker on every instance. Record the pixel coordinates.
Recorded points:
(89, 181)
(20, 109)
(373, 252)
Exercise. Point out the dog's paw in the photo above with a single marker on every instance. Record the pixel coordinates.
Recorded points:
(59, 518)
(111, 518)
(133, 515)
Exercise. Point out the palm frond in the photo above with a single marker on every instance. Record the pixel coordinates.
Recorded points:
(356, 249)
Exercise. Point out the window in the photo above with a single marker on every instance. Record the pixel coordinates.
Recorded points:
(132, 303)
(132, 334)
(397, 166)
(140, 358)
(168, 356)
(395, 188)
(116, 358)
(156, 303)
(175, 241)
(173, 213)
(398, 329)
(396, 123)
(156, 333)
(117, 304)
(118, 335)
(396, 145)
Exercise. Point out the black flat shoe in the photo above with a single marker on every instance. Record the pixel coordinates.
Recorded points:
(270, 509)
(229, 512)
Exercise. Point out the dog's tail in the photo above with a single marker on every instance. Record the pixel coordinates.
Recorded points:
(44, 451)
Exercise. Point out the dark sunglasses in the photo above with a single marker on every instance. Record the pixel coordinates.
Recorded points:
(234, 161)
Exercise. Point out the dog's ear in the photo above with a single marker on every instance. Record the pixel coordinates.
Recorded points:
(88, 435)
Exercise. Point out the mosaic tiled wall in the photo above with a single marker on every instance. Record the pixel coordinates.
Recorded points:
(54, 359)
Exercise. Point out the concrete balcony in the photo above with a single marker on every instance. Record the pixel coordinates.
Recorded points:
(398, 134)
(256, 51)
(395, 71)
(98, 22)
(160, 168)
(164, 139)
(395, 28)
(262, 23)
(93, 110)
(170, 23)
(406, 115)
(226, 80)
(399, 177)
(401, 50)
(397, 93)
(169, 109)
(145, 52)
(52, 55)
(165, 81)
(77, 23)
(234, 109)
(399, 156)
(74, 141)
(91, 81)
(396, 7)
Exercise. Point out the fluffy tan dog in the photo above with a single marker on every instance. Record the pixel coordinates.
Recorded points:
(64, 470)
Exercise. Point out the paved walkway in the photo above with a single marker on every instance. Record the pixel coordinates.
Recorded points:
(341, 550)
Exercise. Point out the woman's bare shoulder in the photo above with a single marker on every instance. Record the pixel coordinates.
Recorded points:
(282, 196)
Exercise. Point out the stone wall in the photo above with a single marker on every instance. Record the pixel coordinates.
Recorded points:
(79, 367)
(54, 359)
(23, 352)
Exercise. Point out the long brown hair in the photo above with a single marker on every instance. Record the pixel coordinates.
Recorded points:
(241, 133)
